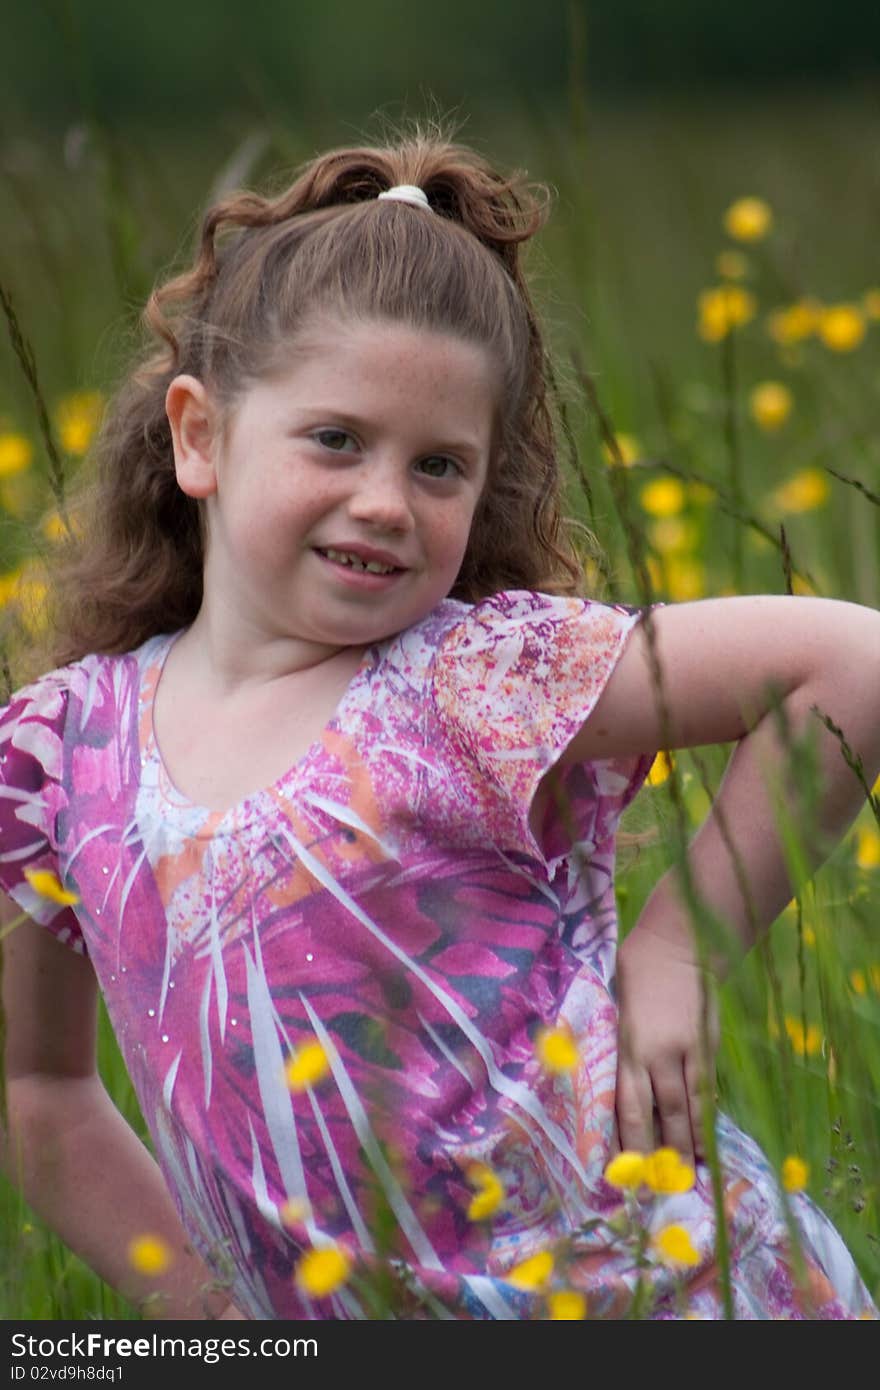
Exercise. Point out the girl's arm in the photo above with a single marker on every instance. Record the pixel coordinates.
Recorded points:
(77, 1162)
(720, 662)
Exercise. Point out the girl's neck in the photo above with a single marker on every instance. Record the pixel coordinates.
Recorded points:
(222, 741)
(221, 665)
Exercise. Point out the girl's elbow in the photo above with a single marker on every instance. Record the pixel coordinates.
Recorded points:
(847, 646)
(38, 1105)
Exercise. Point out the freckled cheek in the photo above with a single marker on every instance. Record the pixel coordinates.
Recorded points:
(449, 540)
(309, 501)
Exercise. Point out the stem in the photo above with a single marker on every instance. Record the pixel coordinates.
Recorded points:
(731, 438)
(25, 354)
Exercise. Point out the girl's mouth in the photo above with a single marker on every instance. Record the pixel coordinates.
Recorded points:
(371, 574)
(343, 557)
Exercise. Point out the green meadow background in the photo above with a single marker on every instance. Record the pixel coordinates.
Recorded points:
(718, 366)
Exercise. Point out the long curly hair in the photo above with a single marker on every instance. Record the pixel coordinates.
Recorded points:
(327, 245)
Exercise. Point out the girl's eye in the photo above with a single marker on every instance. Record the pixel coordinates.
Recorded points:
(444, 462)
(334, 439)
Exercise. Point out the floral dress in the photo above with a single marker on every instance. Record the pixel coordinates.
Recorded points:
(386, 904)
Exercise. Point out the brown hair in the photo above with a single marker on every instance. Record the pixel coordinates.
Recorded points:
(264, 265)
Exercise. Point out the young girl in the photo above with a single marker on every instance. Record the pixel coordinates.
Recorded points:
(330, 774)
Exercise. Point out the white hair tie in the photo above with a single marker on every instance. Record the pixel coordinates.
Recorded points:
(407, 193)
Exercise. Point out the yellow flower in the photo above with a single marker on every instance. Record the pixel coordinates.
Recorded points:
(16, 454)
(532, 1273)
(626, 1169)
(674, 1246)
(149, 1254)
(770, 404)
(28, 592)
(794, 322)
(803, 492)
(489, 1194)
(79, 415)
(556, 1049)
(54, 527)
(860, 980)
(48, 885)
(805, 1042)
(685, 578)
(629, 447)
(9, 586)
(306, 1066)
(794, 1174)
(871, 303)
(663, 497)
(842, 327)
(748, 219)
(722, 308)
(732, 265)
(320, 1272)
(566, 1305)
(294, 1211)
(809, 936)
(868, 847)
(672, 534)
(660, 769)
(665, 1171)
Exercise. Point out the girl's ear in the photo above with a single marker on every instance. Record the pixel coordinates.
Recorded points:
(194, 421)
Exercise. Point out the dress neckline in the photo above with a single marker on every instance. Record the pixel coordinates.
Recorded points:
(203, 820)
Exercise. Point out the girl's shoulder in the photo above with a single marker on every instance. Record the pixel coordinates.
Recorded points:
(514, 653)
(508, 606)
(526, 615)
(86, 683)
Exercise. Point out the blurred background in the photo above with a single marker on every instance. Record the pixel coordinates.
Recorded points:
(710, 280)
(162, 65)
(119, 122)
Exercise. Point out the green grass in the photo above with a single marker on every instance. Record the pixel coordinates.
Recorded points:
(634, 239)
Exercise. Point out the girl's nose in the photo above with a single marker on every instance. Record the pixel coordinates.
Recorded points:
(380, 499)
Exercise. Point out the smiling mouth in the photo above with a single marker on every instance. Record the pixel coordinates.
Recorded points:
(341, 557)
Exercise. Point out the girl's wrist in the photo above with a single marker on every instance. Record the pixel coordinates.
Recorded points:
(666, 925)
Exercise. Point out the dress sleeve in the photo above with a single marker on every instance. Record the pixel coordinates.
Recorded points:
(33, 798)
(514, 681)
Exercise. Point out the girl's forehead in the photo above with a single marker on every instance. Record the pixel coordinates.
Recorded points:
(332, 335)
(385, 357)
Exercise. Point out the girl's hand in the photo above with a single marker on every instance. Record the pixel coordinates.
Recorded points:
(660, 995)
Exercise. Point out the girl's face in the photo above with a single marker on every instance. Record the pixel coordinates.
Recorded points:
(374, 442)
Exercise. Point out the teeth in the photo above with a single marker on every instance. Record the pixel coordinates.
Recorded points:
(372, 566)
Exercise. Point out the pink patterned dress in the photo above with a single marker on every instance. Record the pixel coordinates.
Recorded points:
(387, 899)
